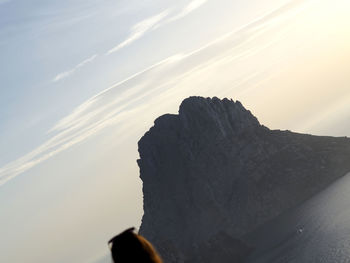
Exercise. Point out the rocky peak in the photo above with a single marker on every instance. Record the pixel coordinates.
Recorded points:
(197, 113)
(214, 171)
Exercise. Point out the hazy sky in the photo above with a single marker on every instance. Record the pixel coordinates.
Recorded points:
(82, 81)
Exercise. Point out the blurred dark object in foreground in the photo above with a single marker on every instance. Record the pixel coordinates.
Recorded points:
(131, 247)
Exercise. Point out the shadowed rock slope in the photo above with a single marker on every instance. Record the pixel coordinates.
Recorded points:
(212, 174)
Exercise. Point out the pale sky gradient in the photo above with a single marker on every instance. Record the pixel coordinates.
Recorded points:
(82, 81)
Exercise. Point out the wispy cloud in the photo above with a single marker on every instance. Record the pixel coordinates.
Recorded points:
(100, 111)
(148, 91)
(68, 73)
(154, 22)
(140, 29)
(192, 6)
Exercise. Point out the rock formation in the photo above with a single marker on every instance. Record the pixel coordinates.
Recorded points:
(212, 174)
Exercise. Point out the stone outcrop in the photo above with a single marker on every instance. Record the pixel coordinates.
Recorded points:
(212, 174)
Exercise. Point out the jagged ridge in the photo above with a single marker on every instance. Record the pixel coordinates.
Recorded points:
(213, 171)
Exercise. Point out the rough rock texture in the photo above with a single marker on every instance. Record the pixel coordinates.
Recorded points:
(213, 173)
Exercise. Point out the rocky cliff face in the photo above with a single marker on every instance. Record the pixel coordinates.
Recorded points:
(212, 174)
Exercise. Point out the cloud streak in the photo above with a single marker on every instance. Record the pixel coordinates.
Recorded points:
(140, 29)
(68, 73)
(192, 6)
(159, 85)
(154, 22)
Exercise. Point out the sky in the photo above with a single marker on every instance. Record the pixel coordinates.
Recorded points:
(82, 81)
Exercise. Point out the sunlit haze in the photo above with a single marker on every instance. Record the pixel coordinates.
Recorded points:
(82, 81)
